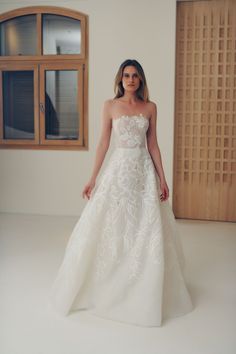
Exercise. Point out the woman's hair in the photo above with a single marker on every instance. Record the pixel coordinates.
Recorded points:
(142, 91)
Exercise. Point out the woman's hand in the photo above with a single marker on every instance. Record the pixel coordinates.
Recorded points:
(88, 189)
(164, 190)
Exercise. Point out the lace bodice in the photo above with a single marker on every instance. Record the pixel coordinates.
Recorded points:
(130, 131)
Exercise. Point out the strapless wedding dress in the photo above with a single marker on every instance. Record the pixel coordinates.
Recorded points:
(124, 259)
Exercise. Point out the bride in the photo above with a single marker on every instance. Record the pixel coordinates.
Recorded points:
(124, 259)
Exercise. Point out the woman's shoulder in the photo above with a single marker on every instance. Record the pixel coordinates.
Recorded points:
(151, 108)
(108, 106)
(151, 104)
(109, 102)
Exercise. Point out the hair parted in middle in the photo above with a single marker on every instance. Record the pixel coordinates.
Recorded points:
(142, 91)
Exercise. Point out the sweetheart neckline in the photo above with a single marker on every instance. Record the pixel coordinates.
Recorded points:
(131, 116)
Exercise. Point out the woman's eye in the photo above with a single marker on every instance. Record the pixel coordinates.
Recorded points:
(128, 75)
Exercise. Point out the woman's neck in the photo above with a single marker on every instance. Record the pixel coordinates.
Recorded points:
(129, 98)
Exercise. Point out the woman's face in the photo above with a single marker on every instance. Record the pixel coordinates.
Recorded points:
(130, 79)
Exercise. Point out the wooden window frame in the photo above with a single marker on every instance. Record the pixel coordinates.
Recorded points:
(38, 63)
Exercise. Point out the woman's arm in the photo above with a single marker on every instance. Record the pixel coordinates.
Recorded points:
(101, 149)
(155, 153)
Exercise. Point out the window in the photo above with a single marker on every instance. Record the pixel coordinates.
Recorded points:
(43, 79)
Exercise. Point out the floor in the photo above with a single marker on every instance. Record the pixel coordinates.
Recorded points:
(31, 250)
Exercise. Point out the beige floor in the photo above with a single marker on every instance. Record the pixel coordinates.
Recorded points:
(31, 250)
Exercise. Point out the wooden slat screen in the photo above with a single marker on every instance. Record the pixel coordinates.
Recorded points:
(205, 111)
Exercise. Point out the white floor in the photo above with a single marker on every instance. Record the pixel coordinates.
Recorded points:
(31, 250)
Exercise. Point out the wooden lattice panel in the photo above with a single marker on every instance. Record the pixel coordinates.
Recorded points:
(205, 111)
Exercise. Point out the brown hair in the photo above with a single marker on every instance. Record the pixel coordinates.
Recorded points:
(142, 91)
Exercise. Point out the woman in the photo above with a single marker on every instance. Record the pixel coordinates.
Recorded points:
(124, 260)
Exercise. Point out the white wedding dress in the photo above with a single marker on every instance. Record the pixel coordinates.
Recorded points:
(124, 259)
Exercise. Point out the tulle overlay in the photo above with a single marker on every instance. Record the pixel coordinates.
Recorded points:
(124, 259)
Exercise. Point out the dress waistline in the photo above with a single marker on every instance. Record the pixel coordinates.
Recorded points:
(131, 148)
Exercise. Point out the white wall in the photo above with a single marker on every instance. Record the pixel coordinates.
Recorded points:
(50, 182)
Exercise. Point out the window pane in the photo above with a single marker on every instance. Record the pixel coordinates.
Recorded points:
(61, 107)
(18, 104)
(61, 35)
(18, 36)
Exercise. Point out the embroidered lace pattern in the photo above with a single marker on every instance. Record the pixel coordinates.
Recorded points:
(122, 256)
